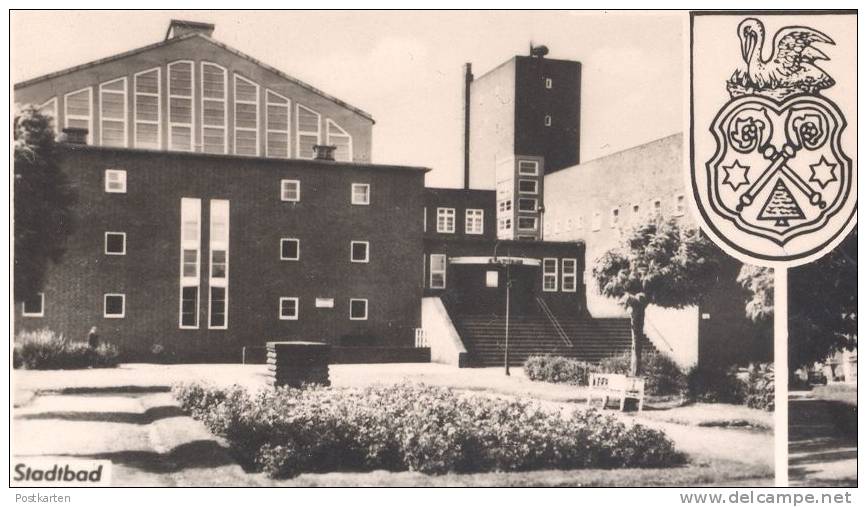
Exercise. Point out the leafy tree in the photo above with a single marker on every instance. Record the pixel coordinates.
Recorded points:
(823, 303)
(658, 263)
(42, 203)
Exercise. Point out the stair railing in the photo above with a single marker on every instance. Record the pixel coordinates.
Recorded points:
(554, 322)
(647, 323)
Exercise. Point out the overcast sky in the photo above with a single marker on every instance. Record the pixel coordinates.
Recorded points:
(405, 68)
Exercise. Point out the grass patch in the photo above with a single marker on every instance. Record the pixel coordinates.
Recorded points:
(714, 415)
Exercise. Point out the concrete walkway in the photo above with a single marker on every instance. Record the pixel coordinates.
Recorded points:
(823, 442)
(127, 415)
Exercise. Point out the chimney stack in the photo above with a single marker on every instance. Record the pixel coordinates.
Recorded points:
(73, 135)
(324, 152)
(468, 81)
(179, 28)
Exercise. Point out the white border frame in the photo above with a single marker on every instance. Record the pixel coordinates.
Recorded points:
(297, 249)
(366, 308)
(105, 297)
(481, 215)
(366, 244)
(526, 192)
(288, 132)
(105, 243)
(555, 274)
(431, 271)
(189, 245)
(280, 315)
(282, 196)
(41, 307)
(352, 195)
(53, 114)
(159, 96)
(564, 275)
(446, 215)
(225, 102)
(219, 283)
(122, 172)
(535, 220)
(535, 167)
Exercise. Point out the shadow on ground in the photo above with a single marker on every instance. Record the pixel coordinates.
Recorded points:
(147, 417)
(823, 443)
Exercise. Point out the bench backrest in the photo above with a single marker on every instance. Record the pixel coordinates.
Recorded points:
(616, 382)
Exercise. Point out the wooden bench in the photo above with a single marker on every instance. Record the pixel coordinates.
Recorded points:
(609, 385)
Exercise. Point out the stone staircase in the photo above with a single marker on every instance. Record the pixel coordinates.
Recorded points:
(591, 339)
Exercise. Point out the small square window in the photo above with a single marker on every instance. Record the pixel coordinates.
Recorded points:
(474, 222)
(360, 251)
(547, 120)
(527, 204)
(492, 279)
(115, 243)
(528, 186)
(290, 190)
(528, 168)
(357, 309)
(114, 306)
(115, 181)
(526, 223)
(361, 193)
(34, 306)
(549, 83)
(288, 308)
(446, 220)
(290, 249)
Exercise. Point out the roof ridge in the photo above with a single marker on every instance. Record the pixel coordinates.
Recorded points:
(217, 43)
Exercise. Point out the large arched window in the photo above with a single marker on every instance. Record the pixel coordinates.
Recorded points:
(246, 117)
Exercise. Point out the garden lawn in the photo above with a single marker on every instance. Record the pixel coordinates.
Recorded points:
(718, 415)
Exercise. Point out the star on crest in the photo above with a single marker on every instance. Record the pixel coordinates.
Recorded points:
(823, 172)
(736, 175)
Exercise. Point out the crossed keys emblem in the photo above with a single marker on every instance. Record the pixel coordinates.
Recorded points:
(779, 170)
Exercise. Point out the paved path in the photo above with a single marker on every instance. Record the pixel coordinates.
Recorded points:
(823, 442)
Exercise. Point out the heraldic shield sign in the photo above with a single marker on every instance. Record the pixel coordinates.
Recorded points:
(770, 167)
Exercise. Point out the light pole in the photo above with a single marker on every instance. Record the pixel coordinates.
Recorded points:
(508, 294)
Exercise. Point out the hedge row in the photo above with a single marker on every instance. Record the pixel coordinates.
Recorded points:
(45, 350)
(285, 432)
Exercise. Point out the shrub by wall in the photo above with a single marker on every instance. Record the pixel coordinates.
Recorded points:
(558, 369)
(285, 432)
(759, 390)
(45, 350)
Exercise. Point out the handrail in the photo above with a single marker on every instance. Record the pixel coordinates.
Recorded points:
(647, 323)
(553, 319)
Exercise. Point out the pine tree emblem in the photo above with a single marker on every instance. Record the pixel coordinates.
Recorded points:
(781, 206)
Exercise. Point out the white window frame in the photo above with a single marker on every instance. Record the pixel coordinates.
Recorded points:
(679, 205)
(504, 223)
(361, 185)
(105, 245)
(53, 102)
(218, 245)
(548, 120)
(258, 114)
(569, 276)
(225, 102)
(105, 314)
(342, 133)
(424, 223)
(89, 118)
(122, 180)
(535, 223)
(195, 205)
(288, 131)
(535, 186)
(125, 117)
(353, 300)
(289, 317)
(366, 251)
(546, 275)
(41, 313)
(473, 216)
(158, 95)
(297, 190)
(535, 165)
(549, 83)
(531, 199)
(192, 99)
(297, 249)
(446, 213)
(443, 271)
(299, 132)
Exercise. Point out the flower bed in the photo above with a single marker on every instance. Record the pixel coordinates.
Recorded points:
(45, 350)
(285, 432)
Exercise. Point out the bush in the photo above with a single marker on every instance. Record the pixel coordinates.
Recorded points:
(715, 384)
(558, 369)
(759, 391)
(45, 350)
(284, 432)
(662, 375)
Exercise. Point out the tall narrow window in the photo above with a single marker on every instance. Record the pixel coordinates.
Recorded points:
(474, 222)
(277, 125)
(569, 276)
(549, 275)
(79, 108)
(547, 120)
(147, 109)
(181, 106)
(214, 90)
(308, 130)
(218, 279)
(49, 109)
(246, 117)
(342, 140)
(191, 237)
(437, 271)
(112, 112)
(446, 220)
